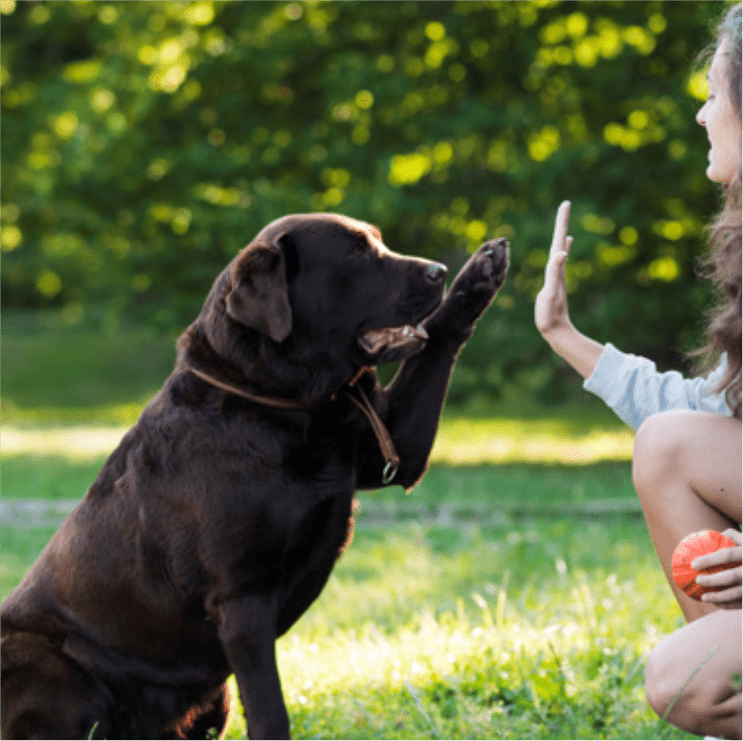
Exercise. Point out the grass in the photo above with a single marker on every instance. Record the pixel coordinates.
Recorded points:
(533, 627)
(513, 594)
(489, 637)
(47, 476)
(88, 372)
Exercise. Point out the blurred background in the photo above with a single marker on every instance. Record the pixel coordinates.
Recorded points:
(516, 592)
(144, 143)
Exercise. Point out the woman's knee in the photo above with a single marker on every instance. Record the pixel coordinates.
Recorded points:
(659, 689)
(658, 450)
(689, 676)
(672, 696)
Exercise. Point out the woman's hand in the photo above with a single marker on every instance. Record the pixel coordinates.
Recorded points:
(551, 305)
(729, 598)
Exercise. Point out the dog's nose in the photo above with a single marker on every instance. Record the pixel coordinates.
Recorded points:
(436, 272)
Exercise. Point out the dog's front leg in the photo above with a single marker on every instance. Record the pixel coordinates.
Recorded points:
(247, 631)
(411, 405)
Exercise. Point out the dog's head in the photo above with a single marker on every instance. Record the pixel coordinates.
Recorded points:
(321, 290)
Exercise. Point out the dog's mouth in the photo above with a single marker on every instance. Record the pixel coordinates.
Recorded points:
(394, 339)
(391, 344)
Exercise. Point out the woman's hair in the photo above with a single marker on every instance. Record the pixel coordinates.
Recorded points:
(723, 263)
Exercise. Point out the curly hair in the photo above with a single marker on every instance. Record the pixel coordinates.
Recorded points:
(723, 263)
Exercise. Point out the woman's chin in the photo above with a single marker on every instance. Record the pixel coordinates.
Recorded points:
(721, 175)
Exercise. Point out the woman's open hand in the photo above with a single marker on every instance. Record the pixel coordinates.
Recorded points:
(729, 598)
(551, 305)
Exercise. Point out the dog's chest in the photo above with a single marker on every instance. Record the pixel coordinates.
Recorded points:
(323, 454)
(320, 533)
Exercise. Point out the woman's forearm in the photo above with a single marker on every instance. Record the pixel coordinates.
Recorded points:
(581, 352)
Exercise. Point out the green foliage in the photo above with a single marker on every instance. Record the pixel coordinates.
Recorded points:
(78, 369)
(145, 143)
(103, 372)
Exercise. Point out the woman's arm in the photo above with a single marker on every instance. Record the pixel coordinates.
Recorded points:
(630, 385)
(633, 387)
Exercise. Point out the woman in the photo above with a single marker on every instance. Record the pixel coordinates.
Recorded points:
(687, 454)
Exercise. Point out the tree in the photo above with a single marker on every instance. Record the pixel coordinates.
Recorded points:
(145, 143)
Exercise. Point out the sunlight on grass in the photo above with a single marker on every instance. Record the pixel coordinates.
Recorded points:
(528, 653)
(531, 633)
(512, 663)
(462, 440)
(124, 415)
(459, 441)
(76, 443)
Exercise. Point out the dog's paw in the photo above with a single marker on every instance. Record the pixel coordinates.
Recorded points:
(479, 280)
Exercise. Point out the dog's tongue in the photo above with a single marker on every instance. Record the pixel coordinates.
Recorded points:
(374, 340)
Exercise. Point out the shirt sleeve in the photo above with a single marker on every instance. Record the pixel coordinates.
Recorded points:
(634, 389)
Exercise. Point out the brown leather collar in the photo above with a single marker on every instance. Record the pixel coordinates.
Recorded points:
(384, 439)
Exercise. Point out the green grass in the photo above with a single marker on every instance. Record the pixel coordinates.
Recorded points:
(521, 633)
(533, 627)
(88, 372)
(497, 600)
(47, 477)
(533, 630)
(20, 548)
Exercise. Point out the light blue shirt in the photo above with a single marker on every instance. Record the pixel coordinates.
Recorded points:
(634, 389)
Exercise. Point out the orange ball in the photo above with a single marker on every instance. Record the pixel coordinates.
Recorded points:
(690, 548)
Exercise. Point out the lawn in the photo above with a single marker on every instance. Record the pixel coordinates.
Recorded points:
(513, 594)
(453, 622)
(528, 628)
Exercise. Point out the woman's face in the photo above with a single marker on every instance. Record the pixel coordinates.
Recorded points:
(722, 122)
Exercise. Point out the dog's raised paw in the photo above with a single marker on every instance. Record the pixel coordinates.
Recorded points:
(476, 284)
(493, 259)
(485, 271)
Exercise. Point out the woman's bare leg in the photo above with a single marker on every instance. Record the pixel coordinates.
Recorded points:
(686, 469)
(689, 676)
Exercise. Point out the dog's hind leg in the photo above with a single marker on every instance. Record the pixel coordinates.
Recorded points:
(47, 695)
(208, 719)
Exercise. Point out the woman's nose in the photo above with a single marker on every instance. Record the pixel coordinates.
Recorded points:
(700, 119)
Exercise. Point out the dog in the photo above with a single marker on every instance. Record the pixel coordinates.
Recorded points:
(217, 520)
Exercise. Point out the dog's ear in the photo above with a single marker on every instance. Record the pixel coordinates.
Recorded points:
(258, 296)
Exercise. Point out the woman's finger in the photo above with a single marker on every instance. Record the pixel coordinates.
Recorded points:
(560, 234)
(554, 271)
(735, 535)
(730, 598)
(717, 558)
(728, 577)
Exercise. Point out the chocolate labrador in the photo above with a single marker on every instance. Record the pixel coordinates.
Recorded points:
(216, 522)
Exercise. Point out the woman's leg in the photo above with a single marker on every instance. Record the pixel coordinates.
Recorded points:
(689, 677)
(686, 469)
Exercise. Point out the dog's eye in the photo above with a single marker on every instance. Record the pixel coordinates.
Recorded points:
(360, 248)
